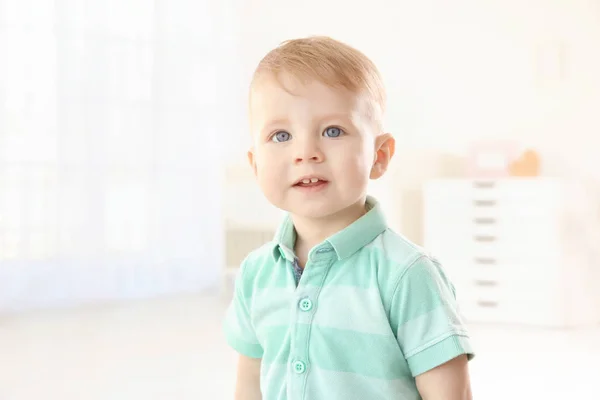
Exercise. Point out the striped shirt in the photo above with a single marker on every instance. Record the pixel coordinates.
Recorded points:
(370, 312)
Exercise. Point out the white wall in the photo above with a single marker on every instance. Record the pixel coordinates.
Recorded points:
(458, 71)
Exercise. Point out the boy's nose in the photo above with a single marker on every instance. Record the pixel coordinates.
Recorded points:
(314, 158)
(309, 153)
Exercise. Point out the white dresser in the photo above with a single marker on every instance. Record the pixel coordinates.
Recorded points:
(518, 251)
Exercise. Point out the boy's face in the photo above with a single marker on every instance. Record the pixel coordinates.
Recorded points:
(314, 148)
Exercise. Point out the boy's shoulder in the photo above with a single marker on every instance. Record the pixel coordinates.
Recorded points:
(396, 250)
(393, 255)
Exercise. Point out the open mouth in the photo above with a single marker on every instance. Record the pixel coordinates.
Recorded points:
(311, 182)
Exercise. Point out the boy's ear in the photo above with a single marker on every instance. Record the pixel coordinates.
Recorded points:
(252, 161)
(385, 147)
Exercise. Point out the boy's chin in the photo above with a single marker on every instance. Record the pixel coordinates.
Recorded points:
(315, 211)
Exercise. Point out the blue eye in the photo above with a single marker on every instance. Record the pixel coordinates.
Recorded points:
(281, 136)
(332, 132)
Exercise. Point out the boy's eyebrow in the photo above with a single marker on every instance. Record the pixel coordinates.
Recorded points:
(274, 123)
(278, 122)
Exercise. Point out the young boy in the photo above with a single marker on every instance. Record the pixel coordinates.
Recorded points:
(337, 306)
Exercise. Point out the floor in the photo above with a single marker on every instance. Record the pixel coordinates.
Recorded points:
(173, 349)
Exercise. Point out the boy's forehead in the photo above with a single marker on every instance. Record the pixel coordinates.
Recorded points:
(286, 93)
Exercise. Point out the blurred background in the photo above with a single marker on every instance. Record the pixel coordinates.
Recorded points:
(126, 203)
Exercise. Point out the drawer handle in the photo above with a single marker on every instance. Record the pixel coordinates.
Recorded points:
(486, 283)
(487, 304)
(485, 261)
(485, 238)
(484, 203)
(484, 184)
(484, 221)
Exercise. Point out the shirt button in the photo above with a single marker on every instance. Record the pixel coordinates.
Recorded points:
(306, 304)
(299, 367)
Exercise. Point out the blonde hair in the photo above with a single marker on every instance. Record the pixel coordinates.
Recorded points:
(331, 62)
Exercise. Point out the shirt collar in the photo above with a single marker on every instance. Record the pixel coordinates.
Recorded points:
(345, 243)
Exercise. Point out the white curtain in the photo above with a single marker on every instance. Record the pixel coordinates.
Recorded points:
(111, 118)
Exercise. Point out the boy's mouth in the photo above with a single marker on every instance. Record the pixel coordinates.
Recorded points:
(310, 182)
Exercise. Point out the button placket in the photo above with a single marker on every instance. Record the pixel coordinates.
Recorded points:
(307, 293)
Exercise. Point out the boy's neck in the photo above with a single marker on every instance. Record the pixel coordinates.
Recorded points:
(312, 231)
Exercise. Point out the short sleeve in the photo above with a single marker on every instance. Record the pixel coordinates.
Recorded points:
(238, 328)
(429, 329)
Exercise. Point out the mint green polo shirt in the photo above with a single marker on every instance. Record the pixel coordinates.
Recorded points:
(370, 313)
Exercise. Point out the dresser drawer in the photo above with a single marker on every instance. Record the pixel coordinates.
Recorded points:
(515, 246)
(461, 200)
(513, 249)
(515, 303)
(467, 275)
(477, 229)
(535, 190)
(481, 212)
(532, 274)
(516, 226)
